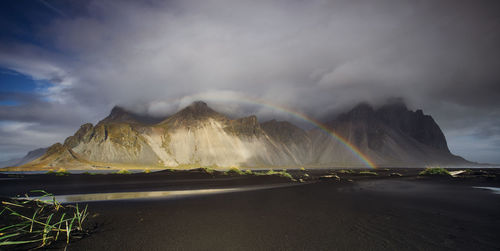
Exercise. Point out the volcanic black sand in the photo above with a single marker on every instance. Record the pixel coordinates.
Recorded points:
(359, 212)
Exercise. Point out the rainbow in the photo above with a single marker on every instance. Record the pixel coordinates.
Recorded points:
(352, 148)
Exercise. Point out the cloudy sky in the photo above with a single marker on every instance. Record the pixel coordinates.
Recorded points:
(64, 63)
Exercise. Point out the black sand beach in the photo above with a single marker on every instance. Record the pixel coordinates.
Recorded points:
(367, 213)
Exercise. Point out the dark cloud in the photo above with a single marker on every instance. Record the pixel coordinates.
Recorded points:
(318, 57)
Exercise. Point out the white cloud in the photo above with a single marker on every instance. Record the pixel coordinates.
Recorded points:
(17, 138)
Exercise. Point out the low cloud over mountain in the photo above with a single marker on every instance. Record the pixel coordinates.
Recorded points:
(390, 136)
(79, 59)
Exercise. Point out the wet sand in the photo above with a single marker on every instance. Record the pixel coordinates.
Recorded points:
(369, 213)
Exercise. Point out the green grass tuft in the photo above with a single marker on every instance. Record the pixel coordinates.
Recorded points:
(348, 171)
(270, 172)
(435, 171)
(62, 172)
(285, 175)
(208, 170)
(234, 171)
(36, 223)
(282, 173)
(123, 171)
(368, 173)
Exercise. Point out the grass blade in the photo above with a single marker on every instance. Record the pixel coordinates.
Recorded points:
(18, 242)
(43, 226)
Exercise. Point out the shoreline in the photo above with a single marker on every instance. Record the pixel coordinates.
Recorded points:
(112, 168)
(376, 212)
(19, 184)
(370, 214)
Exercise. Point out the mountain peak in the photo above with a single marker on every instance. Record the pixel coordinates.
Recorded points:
(117, 110)
(120, 115)
(396, 105)
(199, 107)
(362, 111)
(362, 108)
(198, 104)
(196, 111)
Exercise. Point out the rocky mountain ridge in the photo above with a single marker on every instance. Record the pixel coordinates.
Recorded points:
(197, 135)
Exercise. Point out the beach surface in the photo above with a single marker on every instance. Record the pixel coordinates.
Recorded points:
(358, 212)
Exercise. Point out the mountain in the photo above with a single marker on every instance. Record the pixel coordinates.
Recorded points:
(30, 156)
(197, 135)
(391, 135)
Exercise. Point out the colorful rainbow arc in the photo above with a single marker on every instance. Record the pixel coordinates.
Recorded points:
(353, 149)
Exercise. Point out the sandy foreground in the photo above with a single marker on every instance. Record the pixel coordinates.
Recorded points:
(368, 213)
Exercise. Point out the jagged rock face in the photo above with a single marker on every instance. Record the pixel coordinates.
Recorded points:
(285, 132)
(212, 143)
(53, 149)
(115, 142)
(393, 135)
(390, 136)
(56, 156)
(82, 135)
(421, 127)
(396, 116)
(200, 135)
(248, 126)
(292, 139)
(360, 126)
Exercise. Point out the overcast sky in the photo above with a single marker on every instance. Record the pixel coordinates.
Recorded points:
(65, 63)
